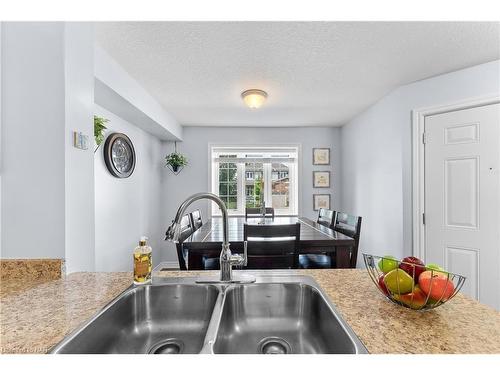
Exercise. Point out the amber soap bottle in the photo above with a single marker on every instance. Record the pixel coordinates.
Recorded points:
(143, 263)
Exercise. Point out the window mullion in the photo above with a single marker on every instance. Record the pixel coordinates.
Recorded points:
(294, 172)
(241, 188)
(215, 187)
(267, 184)
(291, 187)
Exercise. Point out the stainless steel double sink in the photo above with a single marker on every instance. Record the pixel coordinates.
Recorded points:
(278, 314)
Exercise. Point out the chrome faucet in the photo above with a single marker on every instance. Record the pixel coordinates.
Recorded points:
(227, 260)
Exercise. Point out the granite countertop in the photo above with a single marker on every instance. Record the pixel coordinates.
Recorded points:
(35, 318)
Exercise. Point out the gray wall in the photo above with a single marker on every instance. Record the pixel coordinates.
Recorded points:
(194, 178)
(127, 208)
(376, 155)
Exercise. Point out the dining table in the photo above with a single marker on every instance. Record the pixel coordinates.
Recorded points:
(314, 239)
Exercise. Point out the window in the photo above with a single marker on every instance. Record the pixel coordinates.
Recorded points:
(249, 177)
(228, 184)
(280, 186)
(254, 184)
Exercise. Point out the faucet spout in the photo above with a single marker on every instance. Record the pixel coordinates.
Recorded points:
(227, 260)
(173, 231)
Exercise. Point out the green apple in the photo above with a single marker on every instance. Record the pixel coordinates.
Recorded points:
(398, 281)
(433, 266)
(388, 263)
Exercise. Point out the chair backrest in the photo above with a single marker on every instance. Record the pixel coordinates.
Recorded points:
(196, 220)
(255, 212)
(349, 225)
(186, 228)
(272, 246)
(186, 231)
(326, 217)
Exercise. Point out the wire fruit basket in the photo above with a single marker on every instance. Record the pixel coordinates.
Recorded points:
(411, 285)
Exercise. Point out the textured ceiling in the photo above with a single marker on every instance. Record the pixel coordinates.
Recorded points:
(316, 73)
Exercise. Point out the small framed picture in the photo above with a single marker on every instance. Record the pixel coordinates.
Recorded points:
(321, 156)
(321, 179)
(321, 201)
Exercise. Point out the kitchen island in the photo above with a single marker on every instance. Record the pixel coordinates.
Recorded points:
(34, 319)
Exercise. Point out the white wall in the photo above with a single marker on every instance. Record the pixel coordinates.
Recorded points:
(1, 121)
(79, 164)
(194, 177)
(47, 185)
(33, 135)
(128, 208)
(118, 92)
(376, 155)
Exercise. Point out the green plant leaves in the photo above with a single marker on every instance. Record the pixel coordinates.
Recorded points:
(99, 128)
(176, 159)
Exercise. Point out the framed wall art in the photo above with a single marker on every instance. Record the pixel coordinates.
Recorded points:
(321, 156)
(321, 179)
(321, 201)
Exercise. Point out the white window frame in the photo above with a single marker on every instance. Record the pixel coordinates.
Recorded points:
(294, 176)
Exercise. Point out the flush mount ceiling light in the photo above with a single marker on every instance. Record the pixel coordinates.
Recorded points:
(254, 98)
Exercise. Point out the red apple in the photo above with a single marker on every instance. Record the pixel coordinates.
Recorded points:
(413, 267)
(436, 285)
(382, 285)
(416, 299)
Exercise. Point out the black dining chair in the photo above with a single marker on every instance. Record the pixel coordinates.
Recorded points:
(326, 217)
(272, 246)
(196, 220)
(318, 259)
(255, 212)
(186, 231)
(349, 225)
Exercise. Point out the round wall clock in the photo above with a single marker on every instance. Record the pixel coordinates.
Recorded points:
(119, 155)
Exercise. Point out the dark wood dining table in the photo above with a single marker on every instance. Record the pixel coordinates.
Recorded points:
(314, 238)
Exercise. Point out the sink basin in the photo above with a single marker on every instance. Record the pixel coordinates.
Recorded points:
(279, 314)
(279, 319)
(148, 319)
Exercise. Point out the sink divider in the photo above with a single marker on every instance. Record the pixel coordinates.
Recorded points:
(213, 325)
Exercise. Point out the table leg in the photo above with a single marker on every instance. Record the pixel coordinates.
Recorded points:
(343, 256)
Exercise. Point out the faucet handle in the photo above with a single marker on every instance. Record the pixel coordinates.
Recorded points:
(239, 259)
(173, 232)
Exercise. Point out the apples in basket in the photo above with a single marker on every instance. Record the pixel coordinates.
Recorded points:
(411, 283)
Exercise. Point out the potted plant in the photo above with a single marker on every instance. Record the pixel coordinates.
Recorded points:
(99, 129)
(175, 161)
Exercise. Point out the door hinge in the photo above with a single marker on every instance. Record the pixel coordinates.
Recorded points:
(423, 218)
(423, 138)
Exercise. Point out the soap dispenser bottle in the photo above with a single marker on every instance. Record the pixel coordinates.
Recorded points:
(143, 263)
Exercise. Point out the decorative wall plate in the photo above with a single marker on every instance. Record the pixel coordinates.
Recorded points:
(119, 155)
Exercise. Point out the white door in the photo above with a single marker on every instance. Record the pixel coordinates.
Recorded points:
(462, 197)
